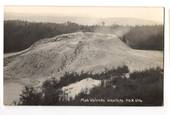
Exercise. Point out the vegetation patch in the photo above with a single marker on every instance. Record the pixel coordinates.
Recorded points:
(140, 88)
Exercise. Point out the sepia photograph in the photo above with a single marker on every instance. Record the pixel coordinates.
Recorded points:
(83, 56)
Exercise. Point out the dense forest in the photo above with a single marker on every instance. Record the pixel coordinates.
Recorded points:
(146, 85)
(145, 37)
(19, 35)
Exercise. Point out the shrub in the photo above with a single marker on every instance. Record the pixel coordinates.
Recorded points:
(30, 96)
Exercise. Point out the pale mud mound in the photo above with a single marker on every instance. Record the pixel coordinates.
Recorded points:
(88, 52)
(75, 52)
(83, 86)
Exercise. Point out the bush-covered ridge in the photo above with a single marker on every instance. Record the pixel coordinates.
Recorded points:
(146, 85)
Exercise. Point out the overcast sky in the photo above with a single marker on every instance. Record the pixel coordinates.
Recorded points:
(147, 13)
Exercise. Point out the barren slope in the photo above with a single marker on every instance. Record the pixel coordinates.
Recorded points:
(79, 52)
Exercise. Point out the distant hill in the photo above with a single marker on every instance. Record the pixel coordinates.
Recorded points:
(128, 21)
(81, 20)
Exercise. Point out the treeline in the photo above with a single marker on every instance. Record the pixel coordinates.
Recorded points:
(19, 35)
(145, 37)
(145, 85)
